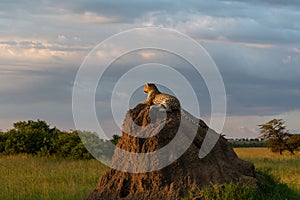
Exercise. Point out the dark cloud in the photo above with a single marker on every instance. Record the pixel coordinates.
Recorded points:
(250, 22)
(37, 86)
(257, 81)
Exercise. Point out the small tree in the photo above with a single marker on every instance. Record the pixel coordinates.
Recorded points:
(275, 134)
(293, 143)
(115, 139)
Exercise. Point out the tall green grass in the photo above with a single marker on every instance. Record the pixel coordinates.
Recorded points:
(285, 168)
(281, 182)
(28, 177)
(268, 189)
(34, 178)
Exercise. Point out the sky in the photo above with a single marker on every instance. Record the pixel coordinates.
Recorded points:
(255, 45)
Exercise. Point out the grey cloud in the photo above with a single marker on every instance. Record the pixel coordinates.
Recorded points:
(254, 21)
(269, 2)
(68, 45)
(59, 115)
(257, 83)
(256, 86)
(24, 44)
(46, 86)
(11, 43)
(135, 9)
(262, 97)
(271, 28)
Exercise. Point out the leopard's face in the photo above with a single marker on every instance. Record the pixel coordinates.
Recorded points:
(149, 87)
(146, 89)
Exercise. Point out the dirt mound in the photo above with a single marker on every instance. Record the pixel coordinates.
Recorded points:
(187, 173)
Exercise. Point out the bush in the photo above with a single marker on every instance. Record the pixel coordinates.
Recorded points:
(3, 138)
(36, 137)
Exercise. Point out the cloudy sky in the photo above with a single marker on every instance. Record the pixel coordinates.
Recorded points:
(255, 44)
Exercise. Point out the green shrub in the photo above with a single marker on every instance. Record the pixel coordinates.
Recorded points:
(37, 138)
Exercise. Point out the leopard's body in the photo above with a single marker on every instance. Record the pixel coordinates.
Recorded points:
(169, 102)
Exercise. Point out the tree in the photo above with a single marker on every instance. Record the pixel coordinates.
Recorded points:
(275, 134)
(36, 137)
(65, 144)
(115, 139)
(3, 138)
(278, 138)
(293, 143)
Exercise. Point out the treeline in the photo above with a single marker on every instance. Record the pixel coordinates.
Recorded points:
(247, 143)
(36, 137)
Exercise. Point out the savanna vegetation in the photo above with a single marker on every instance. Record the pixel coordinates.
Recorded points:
(27, 176)
(31, 177)
(278, 138)
(245, 143)
(273, 135)
(33, 165)
(281, 178)
(37, 138)
(283, 167)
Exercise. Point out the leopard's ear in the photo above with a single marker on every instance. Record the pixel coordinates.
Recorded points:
(147, 84)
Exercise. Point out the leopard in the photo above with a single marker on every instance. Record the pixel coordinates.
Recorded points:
(155, 97)
(169, 103)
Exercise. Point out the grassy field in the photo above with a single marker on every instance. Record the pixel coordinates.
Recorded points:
(284, 167)
(28, 177)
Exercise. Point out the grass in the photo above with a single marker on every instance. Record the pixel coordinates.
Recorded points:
(31, 177)
(284, 167)
(269, 189)
(282, 178)
(28, 177)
